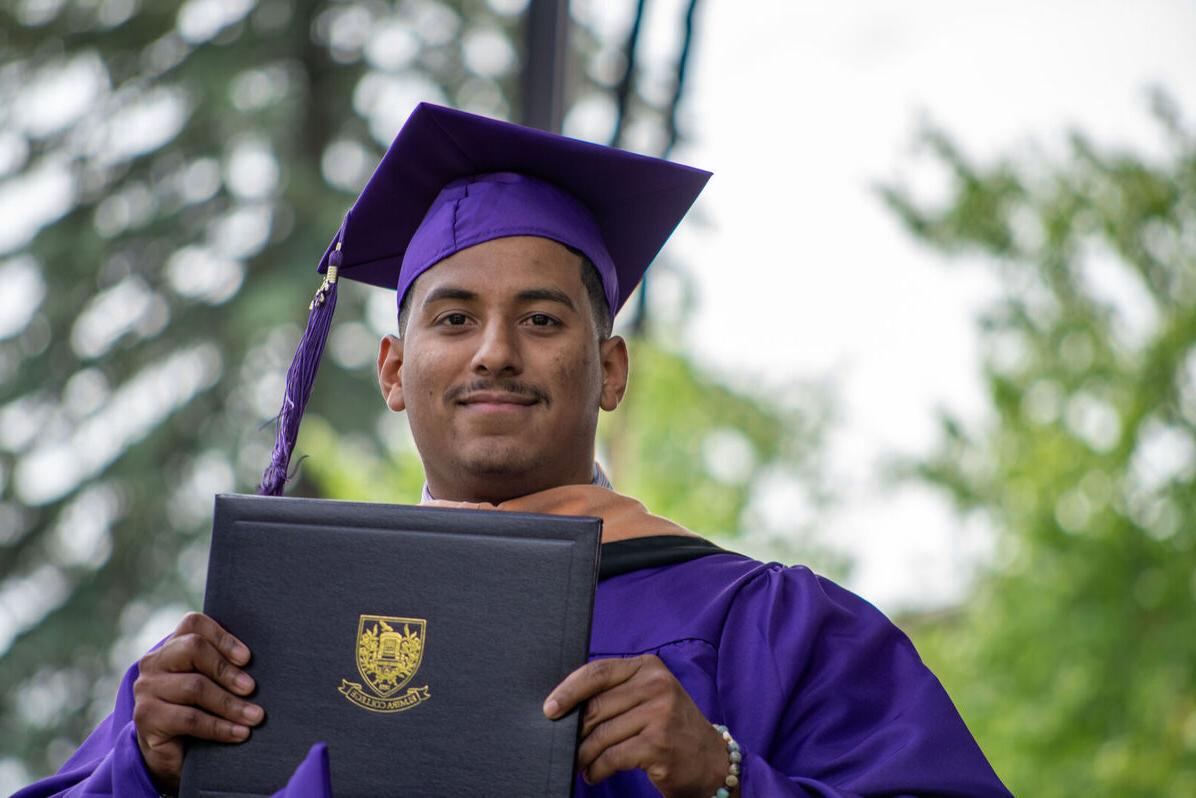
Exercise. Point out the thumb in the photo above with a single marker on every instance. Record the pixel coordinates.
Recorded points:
(458, 505)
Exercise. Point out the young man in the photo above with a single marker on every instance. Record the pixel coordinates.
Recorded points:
(511, 251)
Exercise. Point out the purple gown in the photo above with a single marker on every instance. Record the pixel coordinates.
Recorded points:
(825, 696)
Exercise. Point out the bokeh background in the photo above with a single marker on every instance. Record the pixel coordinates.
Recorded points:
(931, 329)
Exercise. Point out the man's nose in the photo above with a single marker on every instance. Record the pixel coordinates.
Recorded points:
(498, 351)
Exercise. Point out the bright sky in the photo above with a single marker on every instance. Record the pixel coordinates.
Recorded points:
(799, 108)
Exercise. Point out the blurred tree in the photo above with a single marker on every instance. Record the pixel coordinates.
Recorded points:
(1075, 663)
(699, 451)
(169, 175)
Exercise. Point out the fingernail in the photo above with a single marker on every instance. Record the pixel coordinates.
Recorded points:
(241, 652)
(252, 712)
(244, 682)
(551, 707)
(240, 731)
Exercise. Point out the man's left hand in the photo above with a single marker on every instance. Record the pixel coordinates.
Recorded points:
(639, 716)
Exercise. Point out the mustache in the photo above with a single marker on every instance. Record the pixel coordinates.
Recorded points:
(459, 392)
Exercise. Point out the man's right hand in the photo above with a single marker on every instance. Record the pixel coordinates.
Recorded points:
(191, 686)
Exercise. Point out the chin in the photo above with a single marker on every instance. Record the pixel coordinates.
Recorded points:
(492, 461)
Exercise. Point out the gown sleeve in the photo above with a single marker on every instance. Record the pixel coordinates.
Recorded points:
(828, 698)
(108, 763)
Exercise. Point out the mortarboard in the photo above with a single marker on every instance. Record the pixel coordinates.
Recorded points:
(451, 180)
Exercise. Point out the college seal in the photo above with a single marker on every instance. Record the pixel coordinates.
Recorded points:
(389, 651)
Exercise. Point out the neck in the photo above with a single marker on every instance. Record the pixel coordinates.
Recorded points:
(497, 488)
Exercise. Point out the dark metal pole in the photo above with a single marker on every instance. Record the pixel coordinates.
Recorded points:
(679, 86)
(623, 90)
(640, 320)
(545, 42)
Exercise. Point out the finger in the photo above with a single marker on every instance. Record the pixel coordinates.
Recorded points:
(197, 690)
(588, 680)
(611, 703)
(444, 503)
(193, 652)
(228, 645)
(609, 734)
(164, 722)
(622, 756)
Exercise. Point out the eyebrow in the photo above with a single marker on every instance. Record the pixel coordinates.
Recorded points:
(528, 295)
(445, 293)
(546, 295)
(448, 292)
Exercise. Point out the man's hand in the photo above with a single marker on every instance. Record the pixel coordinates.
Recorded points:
(639, 716)
(190, 687)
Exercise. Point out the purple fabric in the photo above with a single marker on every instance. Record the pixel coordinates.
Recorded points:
(301, 377)
(109, 761)
(826, 696)
(476, 209)
(313, 777)
(634, 201)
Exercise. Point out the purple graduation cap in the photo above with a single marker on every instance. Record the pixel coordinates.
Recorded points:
(451, 180)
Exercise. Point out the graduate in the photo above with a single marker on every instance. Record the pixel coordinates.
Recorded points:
(710, 674)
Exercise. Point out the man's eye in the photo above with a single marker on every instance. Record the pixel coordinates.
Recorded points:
(541, 320)
(454, 319)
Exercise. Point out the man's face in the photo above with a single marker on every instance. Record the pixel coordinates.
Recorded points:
(501, 371)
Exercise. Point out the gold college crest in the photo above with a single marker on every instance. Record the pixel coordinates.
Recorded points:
(389, 651)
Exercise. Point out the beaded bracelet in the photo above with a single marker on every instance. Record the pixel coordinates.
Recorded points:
(735, 757)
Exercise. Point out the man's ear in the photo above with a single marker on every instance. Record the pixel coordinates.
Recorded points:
(615, 365)
(390, 372)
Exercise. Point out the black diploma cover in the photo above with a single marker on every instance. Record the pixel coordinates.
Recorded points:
(419, 643)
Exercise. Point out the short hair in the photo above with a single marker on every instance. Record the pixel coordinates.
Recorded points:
(597, 296)
(599, 307)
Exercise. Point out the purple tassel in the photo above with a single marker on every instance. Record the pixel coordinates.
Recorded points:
(300, 377)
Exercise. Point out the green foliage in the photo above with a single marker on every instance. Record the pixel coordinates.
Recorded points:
(358, 469)
(1075, 663)
(692, 448)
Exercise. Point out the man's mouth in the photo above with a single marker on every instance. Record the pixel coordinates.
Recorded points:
(496, 401)
(503, 396)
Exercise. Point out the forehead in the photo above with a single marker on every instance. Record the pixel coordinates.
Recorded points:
(506, 265)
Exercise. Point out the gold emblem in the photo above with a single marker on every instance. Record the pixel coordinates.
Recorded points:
(389, 651)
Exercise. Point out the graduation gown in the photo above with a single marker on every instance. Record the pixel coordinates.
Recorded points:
(825, 696)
